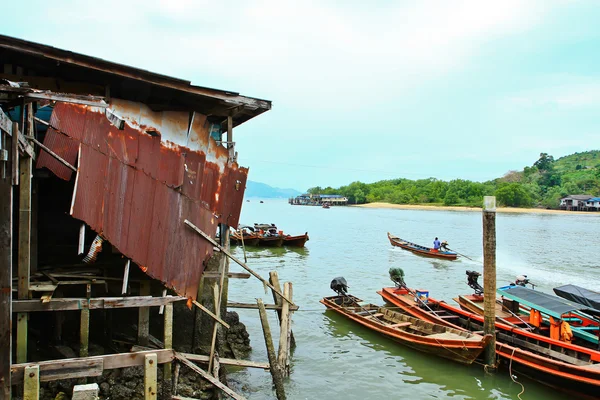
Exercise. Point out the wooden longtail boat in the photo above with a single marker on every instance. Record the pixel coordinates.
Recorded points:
(564, 366)
(421, 250)
(580, 318)
(296, 241)
(453, 344)
(270, 240)
(249, 239)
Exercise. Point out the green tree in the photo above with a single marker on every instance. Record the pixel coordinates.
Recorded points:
(513, 195)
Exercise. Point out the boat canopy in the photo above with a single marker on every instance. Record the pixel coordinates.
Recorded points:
(579, 295)
(544, 302)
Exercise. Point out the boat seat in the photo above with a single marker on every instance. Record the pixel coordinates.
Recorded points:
(447, 316)
(400, 325)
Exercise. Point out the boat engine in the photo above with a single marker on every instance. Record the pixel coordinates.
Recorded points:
(397, 276)
(522, 280)
(472, 277)
(339, 285)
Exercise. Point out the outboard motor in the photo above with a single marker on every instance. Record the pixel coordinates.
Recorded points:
(522, 280)
(397, 276)
(472, 277)
(339, 285)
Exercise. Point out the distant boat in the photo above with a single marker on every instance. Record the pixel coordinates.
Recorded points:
(442, 341)
(262, 201)
(296, 241)
(326, 205)
(421, 250)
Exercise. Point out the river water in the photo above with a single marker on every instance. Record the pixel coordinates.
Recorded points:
(338, 359)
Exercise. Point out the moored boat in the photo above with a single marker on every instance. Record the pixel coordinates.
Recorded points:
(421, 250)
(579, 295)
(454, 344)
(243, 237)
(564, 366)
(295, 241)
(267, 239)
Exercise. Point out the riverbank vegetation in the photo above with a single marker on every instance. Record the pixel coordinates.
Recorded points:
(542, 184)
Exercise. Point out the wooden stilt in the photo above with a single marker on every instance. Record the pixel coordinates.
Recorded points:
(81, 247)
(275, 368)
(24, 254)
(125, 277)
(489, 278)
(6, 207)
(175, 378)
(150, 374)
(144, 316)
(274, 279)
(214, 335)
(84, 326)
(31, 383)
(283, 357)
(168, 339)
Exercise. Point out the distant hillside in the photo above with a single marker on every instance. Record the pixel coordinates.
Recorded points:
(257, 189)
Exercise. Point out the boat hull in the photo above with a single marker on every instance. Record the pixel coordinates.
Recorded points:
(295, 241)
(443, 341)
(526, 352)
(421, 250)
(271, 241)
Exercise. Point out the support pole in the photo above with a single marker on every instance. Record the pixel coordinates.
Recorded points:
(81, 248)
(84, 325)
(6, 206)
(31, 383)
(275, 368)
(125, 277)
(24, 254)
(144, 316)
(218, 292)
(168, 339)
(274, 279)
(283, 356)
(489, 278)
(150, 373)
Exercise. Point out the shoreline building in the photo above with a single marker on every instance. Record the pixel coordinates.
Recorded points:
(319, 199)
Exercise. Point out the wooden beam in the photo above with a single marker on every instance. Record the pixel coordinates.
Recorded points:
(6, 234)
(150, 377)
(208, 377)
(274, 279)
(126, 277)
(15, 154)
(206, 310)
(168, 339)
(81, 246)
(228, 361)
(275, 367)
(30, 93)
(84, 325)
(283, 355)
(88, 366)
(144, 316)
(31, 384)
(239, 262)
(5, 123)
(22, 321)
(255, 307)
(53, 154)
(233, 275)
(95, 303)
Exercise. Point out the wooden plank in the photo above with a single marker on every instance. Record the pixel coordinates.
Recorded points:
(81, 246)
(168, 338)
(84, 325)
(95, 303)
(31, 383)
(283, 355)
(144, 316)
(6, 208)
(274, 279)
(53, 154)
(228, 361)
(24, 255)
(540, 349)
(255, 307)
(217, 300)
(233, 275)
(126, 277)
(208, 377)
(5, 123)
(150, 377)
(87, 100)
(275, 369)
(400, 325)
(206, 310)
(240, 263)
(22, 322)
(15, 154)
(89, 366)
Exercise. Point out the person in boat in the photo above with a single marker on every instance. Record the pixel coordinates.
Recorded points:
(436, 245)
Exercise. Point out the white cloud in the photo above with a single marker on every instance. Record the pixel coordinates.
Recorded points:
(571, 95)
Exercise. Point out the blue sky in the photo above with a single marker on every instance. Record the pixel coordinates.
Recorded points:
(363, 90)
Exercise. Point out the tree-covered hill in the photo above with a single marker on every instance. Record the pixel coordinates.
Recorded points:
(540, 185)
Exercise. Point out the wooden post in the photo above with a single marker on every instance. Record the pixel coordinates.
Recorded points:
(84, 325)
(144, 316)
(275, 368)
(283, 357)
(175, 378)
(218, 292)
(489, 278)
(24, 253)
(6, 207)
(125, 277)
(168, 339)
(150, 373)
(31, 383)
(274, 279)
(81, 247)
(230, 145)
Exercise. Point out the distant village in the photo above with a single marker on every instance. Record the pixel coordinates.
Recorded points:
(580, 202)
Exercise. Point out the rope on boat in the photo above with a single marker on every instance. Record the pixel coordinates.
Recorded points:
(511, 375)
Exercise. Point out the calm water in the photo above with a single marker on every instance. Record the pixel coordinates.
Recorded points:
(336, 359)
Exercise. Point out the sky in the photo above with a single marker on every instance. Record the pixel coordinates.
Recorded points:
(362, 91)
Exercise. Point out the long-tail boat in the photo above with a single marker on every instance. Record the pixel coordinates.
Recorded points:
(579, 295)
(453, 344)
(421, 250)
(565, 366)
(295, 241)
(243, 236)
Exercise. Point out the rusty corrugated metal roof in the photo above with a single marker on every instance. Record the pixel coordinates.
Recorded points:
(136, 189)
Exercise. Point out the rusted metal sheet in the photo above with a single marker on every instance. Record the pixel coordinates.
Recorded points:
(136, 189)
